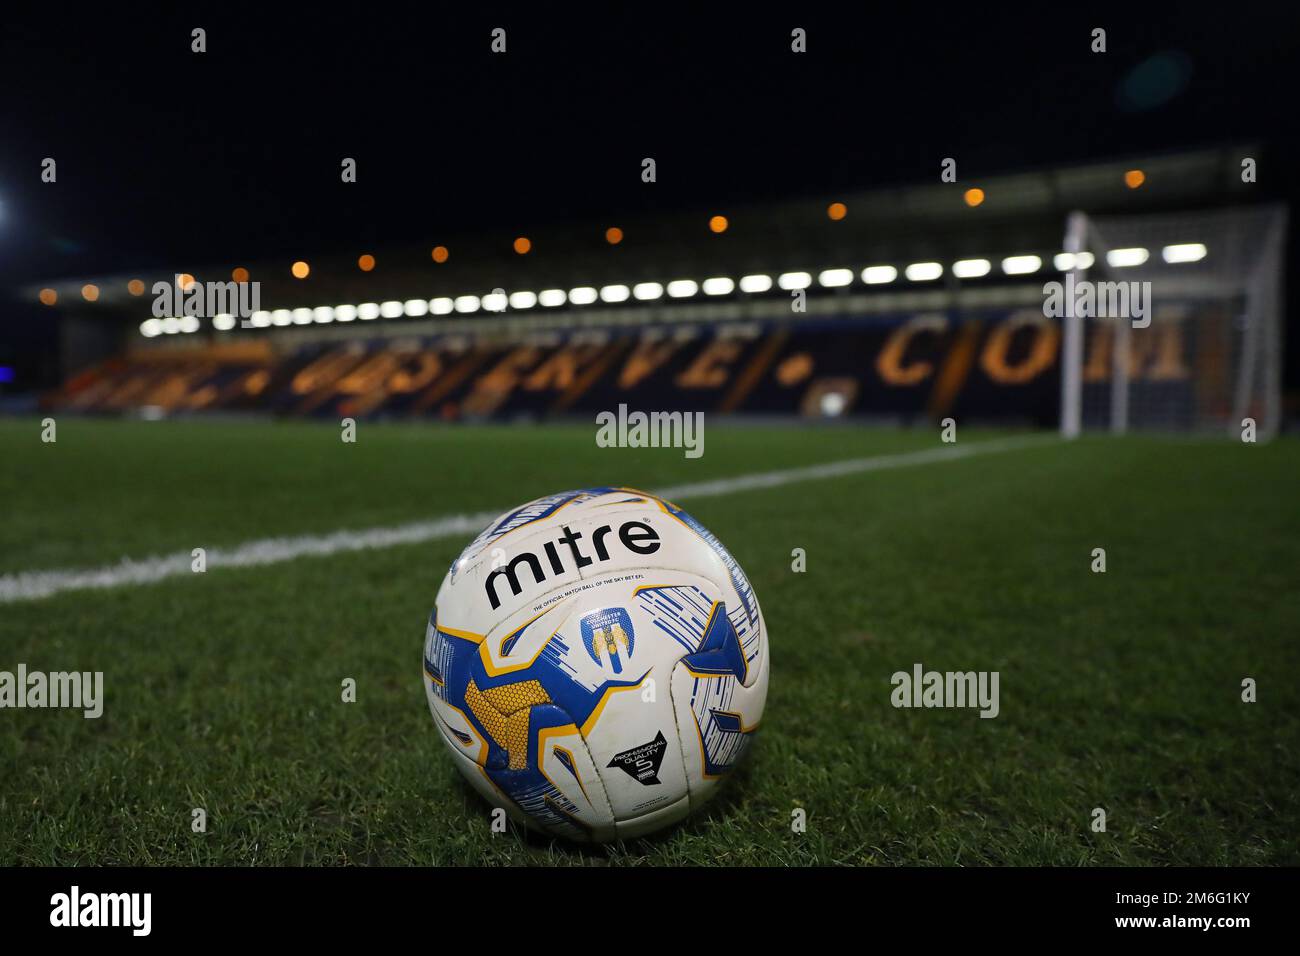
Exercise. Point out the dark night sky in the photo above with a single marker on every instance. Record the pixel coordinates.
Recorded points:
(170, 157)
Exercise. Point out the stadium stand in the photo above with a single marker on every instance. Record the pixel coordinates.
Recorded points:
(901, 305)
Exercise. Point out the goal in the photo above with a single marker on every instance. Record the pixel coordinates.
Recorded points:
(1174, 322)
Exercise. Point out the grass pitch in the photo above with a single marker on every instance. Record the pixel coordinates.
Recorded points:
(1119, 690)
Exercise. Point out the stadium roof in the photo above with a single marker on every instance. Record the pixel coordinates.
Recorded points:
(1020, 213)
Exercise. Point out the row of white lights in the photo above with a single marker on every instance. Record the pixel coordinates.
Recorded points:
(677, 289)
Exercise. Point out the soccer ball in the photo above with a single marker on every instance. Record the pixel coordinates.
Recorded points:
(596, 663)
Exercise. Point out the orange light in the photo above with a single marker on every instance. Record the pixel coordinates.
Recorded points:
(613, 235)
(837, 211)
(974, 197)
(440, 253)
(522, 245)
(90, 292)
(185, 280)
(718, 224)
(49, 296)
(300, 270)
(135, 287)
(366, 262)
(239, 274)
(1134, 178)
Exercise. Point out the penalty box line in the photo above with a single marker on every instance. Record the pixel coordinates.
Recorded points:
(33, 585)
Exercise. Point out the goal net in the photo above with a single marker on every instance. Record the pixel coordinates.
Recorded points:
(1173, 321)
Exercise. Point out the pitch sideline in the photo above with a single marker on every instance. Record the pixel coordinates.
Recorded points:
(33, 585)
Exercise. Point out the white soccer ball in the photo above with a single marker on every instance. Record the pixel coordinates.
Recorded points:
(596, 663)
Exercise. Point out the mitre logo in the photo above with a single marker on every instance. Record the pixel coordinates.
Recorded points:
(642, 763)
(636, 536)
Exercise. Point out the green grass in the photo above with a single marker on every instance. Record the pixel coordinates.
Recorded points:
(1119, 690)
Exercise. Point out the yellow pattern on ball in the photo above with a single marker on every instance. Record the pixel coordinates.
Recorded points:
(504, 712)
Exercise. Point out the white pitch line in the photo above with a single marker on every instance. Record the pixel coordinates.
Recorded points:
(32, 585)
(852, 466)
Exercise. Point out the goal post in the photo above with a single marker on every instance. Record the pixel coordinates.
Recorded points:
(1173, 321)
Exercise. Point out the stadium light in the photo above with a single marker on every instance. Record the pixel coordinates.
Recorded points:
(1021, 265)
(835, 278)
(1065, 261)
(923, 271)
(188, 324)
(832, 404)
(151, 327)
(879, 275)
(171, 325)
(1126, 258)
(686, 288)
(223, 322)
(1183, 252)
(971, 268)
